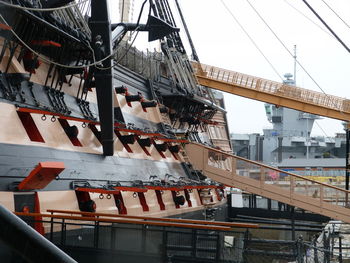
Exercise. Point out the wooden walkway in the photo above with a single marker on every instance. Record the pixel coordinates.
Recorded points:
(270, 182)
(273, 92)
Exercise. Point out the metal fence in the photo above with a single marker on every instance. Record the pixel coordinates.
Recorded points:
(96, 241)
(151, 243)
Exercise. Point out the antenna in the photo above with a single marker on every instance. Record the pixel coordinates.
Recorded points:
(295, 65)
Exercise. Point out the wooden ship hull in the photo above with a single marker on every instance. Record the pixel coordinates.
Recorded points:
(58, 146)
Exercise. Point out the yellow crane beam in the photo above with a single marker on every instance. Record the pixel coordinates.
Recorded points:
(273, 92)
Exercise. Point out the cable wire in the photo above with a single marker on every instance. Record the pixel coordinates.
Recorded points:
(319, 126)
(335, 13)
(251, 39)
(42, 9)
(285, 47)
(326, 25)
(305, 16)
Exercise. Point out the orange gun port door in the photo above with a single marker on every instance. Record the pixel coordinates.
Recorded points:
(25, 202)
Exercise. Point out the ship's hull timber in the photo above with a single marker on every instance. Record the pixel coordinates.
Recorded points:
(18, 160)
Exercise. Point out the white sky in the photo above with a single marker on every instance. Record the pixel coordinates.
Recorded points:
(219, 41)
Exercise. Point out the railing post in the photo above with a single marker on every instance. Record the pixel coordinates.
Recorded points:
(262, 177)
(245, 246)
(205, 158)
(144, 238)
(292, 182)
(194, 243)
(233, 169)
(315, 250)
(96, 233)
(326, 247)
(113, 237)
(218, 248)
(300, 253)
(340, 251)
(321, 195)
(165, 245)
(63, 233)
(332, 240)
(336, 197)
(51, 228)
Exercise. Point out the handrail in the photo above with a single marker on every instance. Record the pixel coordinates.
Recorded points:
(176, 220)
(124, 221)
(270, 182)
(271, 168)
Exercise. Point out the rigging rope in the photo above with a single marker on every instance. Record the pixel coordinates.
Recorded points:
(251, 39)
(305, 16)
(285, 47)
(42, 9)
(324, 131)
(335, 13)
(326, 25)
(95, 63)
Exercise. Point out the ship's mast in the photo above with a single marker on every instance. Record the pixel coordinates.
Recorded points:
(126, 13)
(124, 10)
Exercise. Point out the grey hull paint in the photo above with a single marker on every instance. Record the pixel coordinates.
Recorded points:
(16, 162)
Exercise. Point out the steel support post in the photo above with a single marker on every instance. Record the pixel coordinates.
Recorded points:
(101, 42)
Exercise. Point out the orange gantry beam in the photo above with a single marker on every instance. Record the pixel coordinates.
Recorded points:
(273, 92)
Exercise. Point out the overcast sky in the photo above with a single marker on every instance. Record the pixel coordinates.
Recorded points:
(219, 41)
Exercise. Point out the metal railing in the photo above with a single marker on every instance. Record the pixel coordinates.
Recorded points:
(133, 240)
(103, 241)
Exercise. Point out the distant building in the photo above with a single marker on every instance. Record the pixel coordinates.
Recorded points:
(327, 168)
